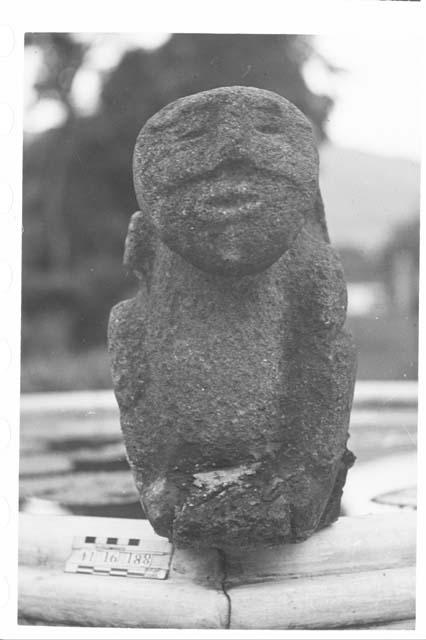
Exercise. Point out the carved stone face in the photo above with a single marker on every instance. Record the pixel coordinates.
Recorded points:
(228, 177)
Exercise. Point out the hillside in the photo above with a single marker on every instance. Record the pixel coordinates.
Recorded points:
(366, 195)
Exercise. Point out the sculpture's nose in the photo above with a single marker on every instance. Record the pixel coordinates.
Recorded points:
(232, 142)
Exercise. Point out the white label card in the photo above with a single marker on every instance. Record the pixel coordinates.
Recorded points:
(126, 557)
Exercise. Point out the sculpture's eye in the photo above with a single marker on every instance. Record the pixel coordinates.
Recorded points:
(270, 127)
(192, 134)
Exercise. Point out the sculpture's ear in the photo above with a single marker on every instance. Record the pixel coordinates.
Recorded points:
(139, 249)
(320, 216)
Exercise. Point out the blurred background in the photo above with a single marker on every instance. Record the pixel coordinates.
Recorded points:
(86, 97)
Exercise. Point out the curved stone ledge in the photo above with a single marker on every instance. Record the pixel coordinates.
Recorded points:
(359, 572)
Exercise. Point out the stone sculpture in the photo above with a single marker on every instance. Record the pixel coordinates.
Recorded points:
(231, 367)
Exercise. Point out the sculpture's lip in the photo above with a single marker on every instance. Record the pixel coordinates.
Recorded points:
(229, 206)
(231, 198)
(222, 217)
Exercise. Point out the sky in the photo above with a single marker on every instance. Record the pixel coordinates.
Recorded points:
(377, 97)
(377, 93)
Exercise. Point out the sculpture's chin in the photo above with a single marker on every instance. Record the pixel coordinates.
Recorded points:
(231, 268)
(230, 262)
(232, 246)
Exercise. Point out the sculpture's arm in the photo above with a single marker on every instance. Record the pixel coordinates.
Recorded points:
(126, 345)
(321, 386)
(126, 337)
(318, 286)
(325, 350)
(126, 329)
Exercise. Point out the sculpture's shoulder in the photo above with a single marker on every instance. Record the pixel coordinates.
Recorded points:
(125, 320)
(317, 283)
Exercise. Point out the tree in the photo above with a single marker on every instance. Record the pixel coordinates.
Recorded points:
(62, 57)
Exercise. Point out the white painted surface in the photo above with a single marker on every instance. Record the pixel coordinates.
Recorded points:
(370, 479)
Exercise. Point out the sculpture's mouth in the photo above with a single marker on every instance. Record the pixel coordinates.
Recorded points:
(232, 198)
(229, 205)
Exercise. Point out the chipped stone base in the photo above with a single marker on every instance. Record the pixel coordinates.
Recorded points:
(242, 506)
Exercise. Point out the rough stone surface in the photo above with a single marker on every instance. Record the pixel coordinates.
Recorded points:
(231, 367)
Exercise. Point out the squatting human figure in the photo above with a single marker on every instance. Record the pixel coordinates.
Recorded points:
(232, 369)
